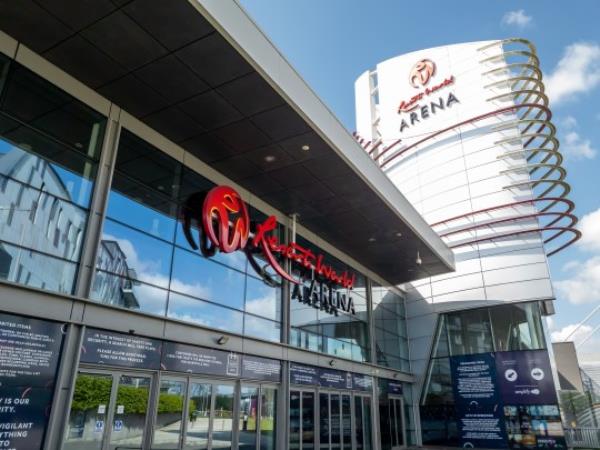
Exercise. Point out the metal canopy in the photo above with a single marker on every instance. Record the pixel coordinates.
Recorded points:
(203, 75)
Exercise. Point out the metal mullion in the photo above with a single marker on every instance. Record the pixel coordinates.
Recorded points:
(235, 418)
(258, 416)
(184, 413)
(152, 410)
(110, 413)
(353, 421)
(213, 400)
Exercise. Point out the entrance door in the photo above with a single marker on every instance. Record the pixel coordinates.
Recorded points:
(396, 412)
(335, 421)
(302, 420)
(362, 422)
(108, 411)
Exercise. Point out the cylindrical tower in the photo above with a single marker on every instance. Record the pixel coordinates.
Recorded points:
(465, 133)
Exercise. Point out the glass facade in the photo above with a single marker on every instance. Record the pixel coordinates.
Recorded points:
(49, 151)
(146, 263)
(389, 320)
(483, 330)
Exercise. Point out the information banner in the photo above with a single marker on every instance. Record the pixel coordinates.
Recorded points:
(478, 407)
(186, 358)
(525, 378)
(29, 351)
(300, 374)
(263, 369)
(29, 355)
(391, 387)
(335, 379)
(116, 349)
(534, 426)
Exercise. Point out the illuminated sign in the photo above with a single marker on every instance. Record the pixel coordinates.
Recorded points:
(223, 224)
(419, 76)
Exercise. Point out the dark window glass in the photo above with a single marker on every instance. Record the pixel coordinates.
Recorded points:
(438, 386)
(517, 327)
(391, 345)
(49, 150)
(469, 332)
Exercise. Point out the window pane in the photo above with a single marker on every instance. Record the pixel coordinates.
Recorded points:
(204, 313)
(438, 387)
(248, 422)
(470, 332)
(262, 300)
(295, 421)
(262, 328)
(223, 417)
(147, 259)
(34, 269)
(198, 276)
(114, 290)
(517, 327)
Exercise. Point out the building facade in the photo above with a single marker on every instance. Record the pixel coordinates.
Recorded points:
(465, 132)
(185, 258)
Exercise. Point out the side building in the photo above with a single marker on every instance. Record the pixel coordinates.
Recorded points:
(465, 132)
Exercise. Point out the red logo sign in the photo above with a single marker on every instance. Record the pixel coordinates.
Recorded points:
(224, 221)
(421, 73)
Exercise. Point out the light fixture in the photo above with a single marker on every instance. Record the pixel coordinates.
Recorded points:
(160, 187)
(419, 261)
(372, 239)
(398, 234)
(131, 331)
(395, 375)
(305, 147)
(222, 340)
(332, 363)
(269, 158)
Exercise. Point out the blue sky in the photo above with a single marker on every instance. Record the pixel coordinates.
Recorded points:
(331, 42)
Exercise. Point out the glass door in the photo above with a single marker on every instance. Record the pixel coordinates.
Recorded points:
(108, 411)
(396, 412)
(362, 422)
(222, 417)
(330, 421)
(302, 420)
(198, 417)
(169, 415)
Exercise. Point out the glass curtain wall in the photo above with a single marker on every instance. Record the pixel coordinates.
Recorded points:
(344, 335)
(49, 150)
(500, 328)
(146, 263)
(389, 319)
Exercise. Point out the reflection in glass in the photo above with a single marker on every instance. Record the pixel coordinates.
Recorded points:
(308, 420)
(167, 427)
(189, 309)
(130, 413)
(268, 418)
(324, 421)
(359, 423)
(336, 437)
(262, 300)
(248, 421)
(198, 419)
(469, 332)
(295, 422)
(222, 426)
(262, 328)
(89, 412)
(517, 327)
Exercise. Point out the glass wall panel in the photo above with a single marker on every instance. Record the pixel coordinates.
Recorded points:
(517, 327)
(223, 419)
(49, 150)
(145, 261)
(469, 332)
(198, 419)
(295, 420)
(324, 422)
(130, 413)
(308, 420)
(391, 344)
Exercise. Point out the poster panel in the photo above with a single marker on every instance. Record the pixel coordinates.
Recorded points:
(534, 426)
(186, 358)
(116, 349)
(263, 369)
(478, 407)
(29, 355)
(301, 374)
(525, 378)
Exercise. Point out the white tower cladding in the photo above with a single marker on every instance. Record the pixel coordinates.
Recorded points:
(464, 132)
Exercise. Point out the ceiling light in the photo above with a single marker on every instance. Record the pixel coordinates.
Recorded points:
(160, 187)
(372, 239)
(398, 234)
(305, 147)
(269, 158)
(418, 260)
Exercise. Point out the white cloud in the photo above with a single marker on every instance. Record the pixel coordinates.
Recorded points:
(578, 71)
(584, 284)
(517, 18)
(574, 146)
(578, 336)
(589, 225)
(587, 352)
(568, 122)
